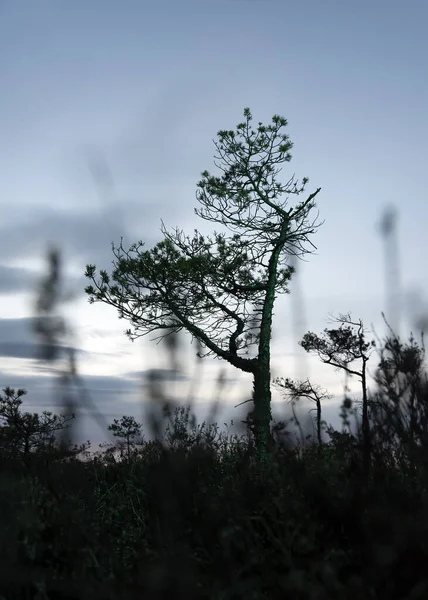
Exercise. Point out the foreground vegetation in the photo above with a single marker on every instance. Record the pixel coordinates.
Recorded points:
(195, 514)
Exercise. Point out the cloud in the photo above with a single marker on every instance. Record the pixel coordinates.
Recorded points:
(17, 340)
(104, 398)
(14, 280)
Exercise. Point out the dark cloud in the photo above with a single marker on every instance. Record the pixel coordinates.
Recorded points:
(82, 236)
(98, 398)
(104, 398)
(82, 232)
(28, 350)
(16, 329)
(17, 340)
(14, 279)
(99, 401)
(163, 374)
(17, 280)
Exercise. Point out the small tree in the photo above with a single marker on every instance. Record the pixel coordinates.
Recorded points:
(340, 348)
(129, 431)
(25, 433)
(305, 389)
(187, 283)
(400, 404)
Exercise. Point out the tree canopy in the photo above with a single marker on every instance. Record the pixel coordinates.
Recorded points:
(222, 289)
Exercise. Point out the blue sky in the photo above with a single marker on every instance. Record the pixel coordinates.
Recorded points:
(141, 89)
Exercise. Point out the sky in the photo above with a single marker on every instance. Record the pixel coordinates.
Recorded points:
(108, 112)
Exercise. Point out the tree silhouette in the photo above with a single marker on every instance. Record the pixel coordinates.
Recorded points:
(305, 389)
(128, 431)
(190, 282)
(399, 406)
(340, 348)
(24, 433)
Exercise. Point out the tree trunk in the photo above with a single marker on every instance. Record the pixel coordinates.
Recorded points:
(366, 423)
(262, 414)
(319, 436)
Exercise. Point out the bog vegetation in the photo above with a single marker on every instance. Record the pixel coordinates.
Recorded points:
(195, 512)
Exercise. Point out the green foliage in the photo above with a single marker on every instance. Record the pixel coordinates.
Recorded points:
(341, 346)
(196, 515)
(129, 433)
(203, 285)
(27, 433)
